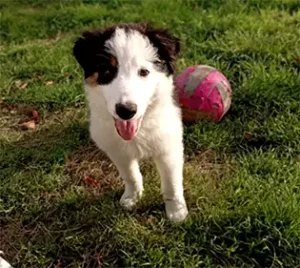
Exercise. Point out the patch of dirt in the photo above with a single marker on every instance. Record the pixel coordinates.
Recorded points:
(12, 116)
(208, 162)
(204, 175)
(89, 162)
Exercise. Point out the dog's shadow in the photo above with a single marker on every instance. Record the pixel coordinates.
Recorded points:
(84, 191)
(79, 214)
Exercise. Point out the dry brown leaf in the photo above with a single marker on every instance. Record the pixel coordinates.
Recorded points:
(35, 116)
(1, 101)
(28, 125)
(21, 85)
(58, 265)
(25, 84)
(92, 182)
(248, 135)
(49, 83)
(298, 59)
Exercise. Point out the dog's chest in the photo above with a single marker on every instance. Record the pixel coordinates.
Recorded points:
(148, 143)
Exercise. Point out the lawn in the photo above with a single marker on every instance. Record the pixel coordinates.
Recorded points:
(242, 175)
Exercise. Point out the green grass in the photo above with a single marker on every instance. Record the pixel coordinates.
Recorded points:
(243, 192)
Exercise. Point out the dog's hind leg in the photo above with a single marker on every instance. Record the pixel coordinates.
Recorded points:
(170, 167)
(130, 172)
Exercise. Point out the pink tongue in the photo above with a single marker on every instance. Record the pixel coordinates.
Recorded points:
(127, 129)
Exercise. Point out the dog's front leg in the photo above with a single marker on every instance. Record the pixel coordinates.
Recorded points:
(170, 167)
(129, 170)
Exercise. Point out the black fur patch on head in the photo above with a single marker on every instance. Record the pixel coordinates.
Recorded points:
(168, 48)
(89, 50)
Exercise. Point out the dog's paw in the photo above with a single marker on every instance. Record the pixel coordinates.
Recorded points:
(129, 200)
(176, 210)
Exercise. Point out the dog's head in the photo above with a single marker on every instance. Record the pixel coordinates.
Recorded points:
(126, 64)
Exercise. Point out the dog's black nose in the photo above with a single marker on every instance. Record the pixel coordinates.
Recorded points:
(126, 111)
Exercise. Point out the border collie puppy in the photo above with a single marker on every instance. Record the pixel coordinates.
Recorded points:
(128, 72)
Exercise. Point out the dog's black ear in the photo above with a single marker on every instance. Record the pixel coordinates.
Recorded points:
(84, 49)
(80, 50)
(168, 47)
(88, 46)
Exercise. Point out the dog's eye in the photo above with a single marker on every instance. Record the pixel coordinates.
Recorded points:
(143, 72)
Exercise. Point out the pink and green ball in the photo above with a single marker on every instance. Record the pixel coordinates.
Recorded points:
(204, 93)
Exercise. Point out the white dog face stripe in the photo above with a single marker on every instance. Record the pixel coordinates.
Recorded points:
(137, 78)
(131, 47)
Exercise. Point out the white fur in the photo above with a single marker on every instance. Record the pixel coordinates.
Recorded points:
(160, 133)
